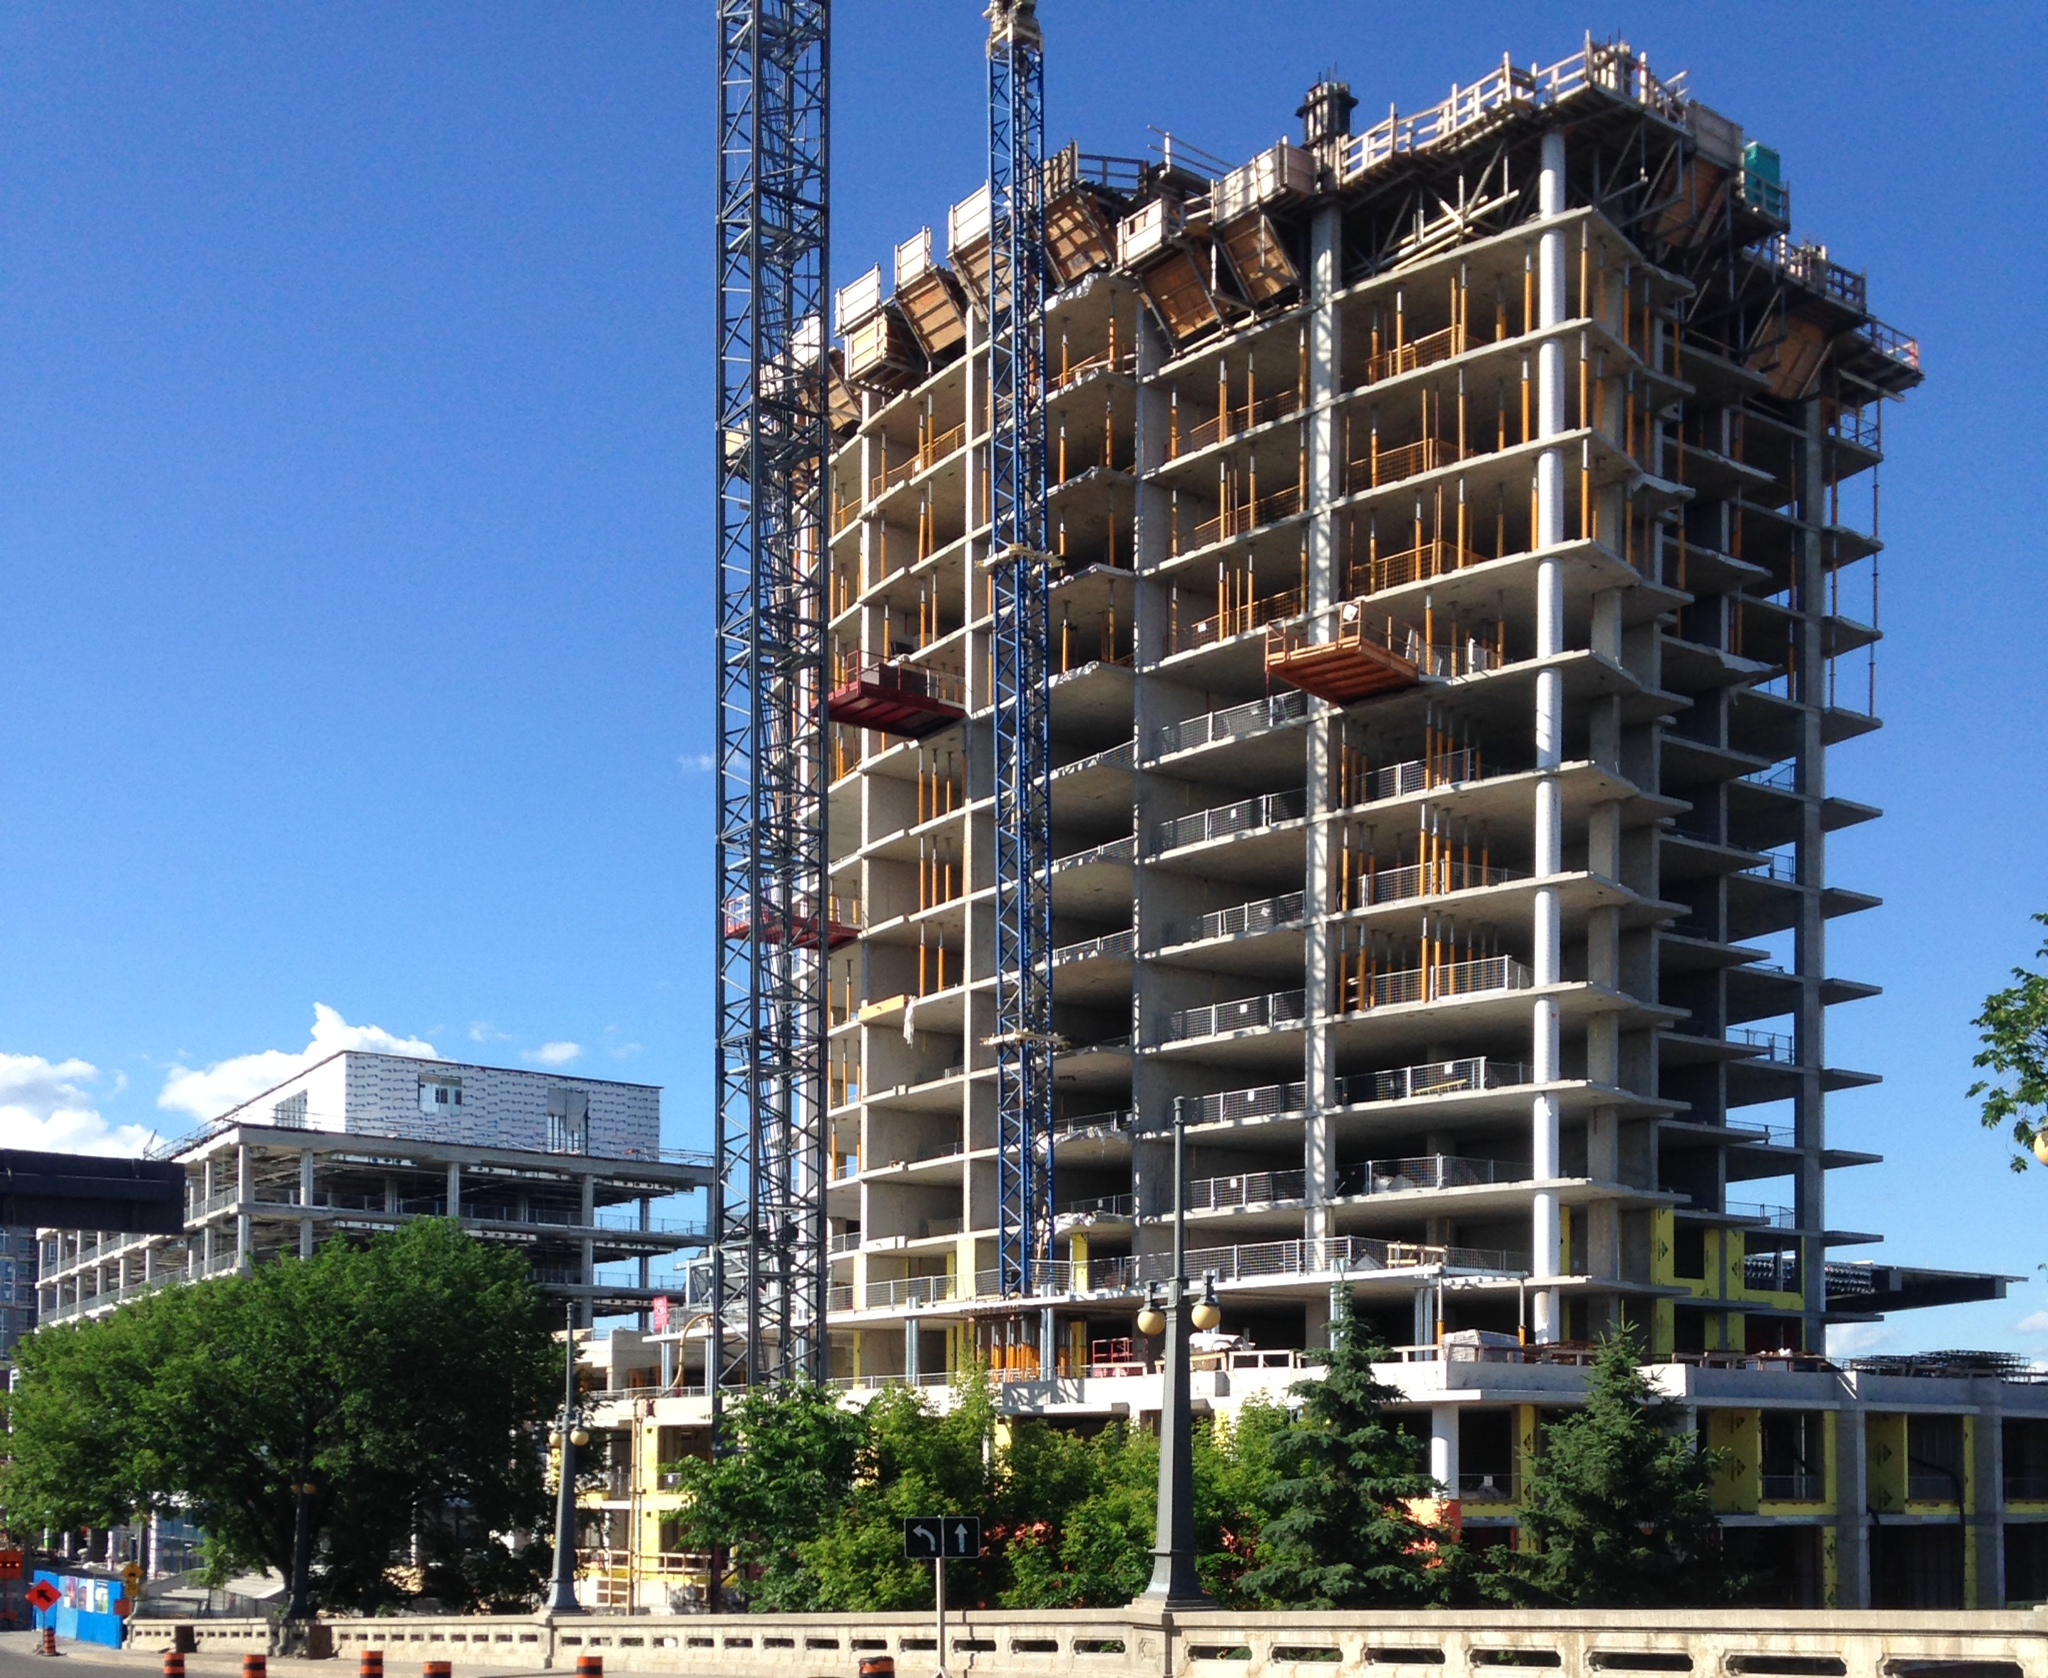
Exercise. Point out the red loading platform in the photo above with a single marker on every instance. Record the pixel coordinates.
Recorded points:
(895, 698)
(740, 921)
(1357, 660)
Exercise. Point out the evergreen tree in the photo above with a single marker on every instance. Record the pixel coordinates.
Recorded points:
(1620, 1506)
(1341, 1534)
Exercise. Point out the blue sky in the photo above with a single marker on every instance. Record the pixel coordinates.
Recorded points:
(354, 492)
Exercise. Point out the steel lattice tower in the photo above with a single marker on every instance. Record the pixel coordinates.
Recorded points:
(769, 1259)
(1023, 750)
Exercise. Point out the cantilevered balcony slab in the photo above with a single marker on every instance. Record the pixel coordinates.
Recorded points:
(1398, 1027)
(1509, 799)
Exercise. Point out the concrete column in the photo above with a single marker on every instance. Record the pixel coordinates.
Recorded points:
(454, 1188)
(306, 1192)
(1852, 1506)
(1443, 1446)
(646, 1223)
(1809, 936)
(245, 1235)
(588, 1269)
(1158, 902)
(1986, 1488)
(1325, 588)
(1546, 1244)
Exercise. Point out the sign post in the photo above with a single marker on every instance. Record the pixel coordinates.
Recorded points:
(936, 1539)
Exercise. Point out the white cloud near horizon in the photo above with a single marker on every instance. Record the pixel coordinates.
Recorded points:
(45, 1104)
(2035, 1323)
(557, 1054)
(209, 1092)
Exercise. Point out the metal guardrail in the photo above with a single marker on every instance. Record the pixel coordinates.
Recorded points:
(1340, 1255)
(1124, 849)
(1424, 1171)
(1247, 1188)
(1450, 978)
(1427, 879)
(1088, 949)
(1235, 722)
(1101, 1206)
(1231, 1106)
(1263, 916)
(1436, 1077)
(1227, 820)
(1778, 1047)
(1277, 1009)
(1121, 756)
(1397, 780)
(1758, 1212)
(1070, 1124)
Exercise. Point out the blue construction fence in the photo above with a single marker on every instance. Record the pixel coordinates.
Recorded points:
(90, 1609)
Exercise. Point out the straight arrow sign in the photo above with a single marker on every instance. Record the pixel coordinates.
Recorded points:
(941, 1537)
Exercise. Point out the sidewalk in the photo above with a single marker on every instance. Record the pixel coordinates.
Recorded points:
(18, 1658)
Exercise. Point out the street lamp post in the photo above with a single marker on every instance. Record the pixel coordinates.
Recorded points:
(568, 1434)
(1175, 1583)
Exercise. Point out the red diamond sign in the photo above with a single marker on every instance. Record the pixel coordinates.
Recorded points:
(42, 1594)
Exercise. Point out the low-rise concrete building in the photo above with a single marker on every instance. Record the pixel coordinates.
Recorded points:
(571, 1170)
(1901, 1482)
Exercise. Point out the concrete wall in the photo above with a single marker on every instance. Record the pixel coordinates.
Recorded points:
(501, 1107)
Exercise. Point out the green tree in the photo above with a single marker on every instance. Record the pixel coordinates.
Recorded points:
(1340, 1534)
(912, 1462)
(1619, 1506)
(785, 1479)
(2014, 1031)
(1237, 1468)
(402, 1381)
(1083, 1513)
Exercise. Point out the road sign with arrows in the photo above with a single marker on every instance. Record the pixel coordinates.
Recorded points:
(941, 1537)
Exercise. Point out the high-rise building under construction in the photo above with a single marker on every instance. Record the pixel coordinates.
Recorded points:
(1466, 557)
(1465, 545)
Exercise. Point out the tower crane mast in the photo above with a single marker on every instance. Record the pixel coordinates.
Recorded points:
(1017, 554)
(768, 1260)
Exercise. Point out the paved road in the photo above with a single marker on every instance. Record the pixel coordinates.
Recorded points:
(18, 1659)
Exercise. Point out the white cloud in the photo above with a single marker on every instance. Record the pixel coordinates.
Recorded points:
(228, 1083)
(2036, 1323)
(482, 1031)
(557, 1054)
(698, 763)
(44, 1104)
(1848, 1340)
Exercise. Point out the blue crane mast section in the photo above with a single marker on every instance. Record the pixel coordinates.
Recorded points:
(1024, 1040)
(769, 1263)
